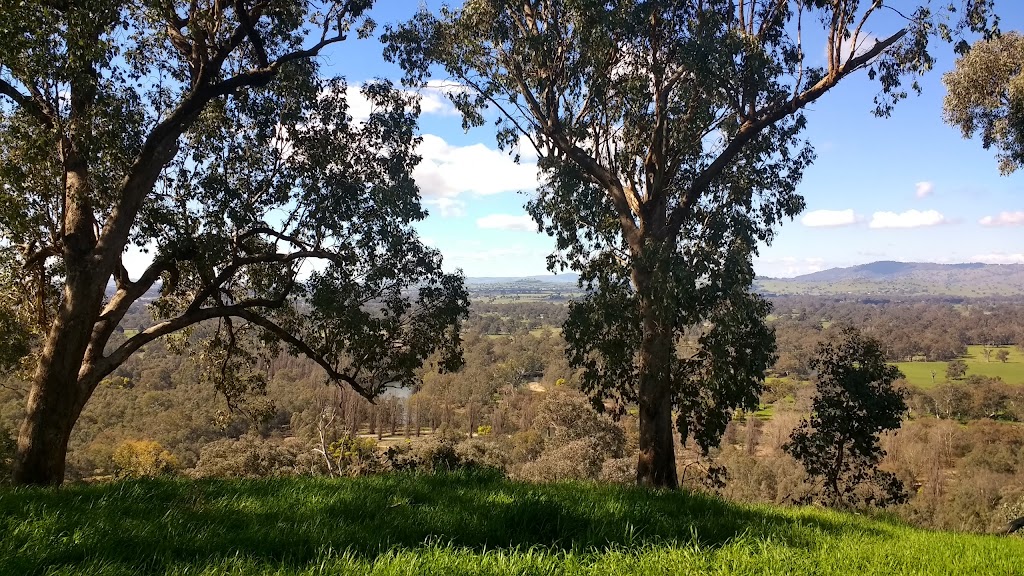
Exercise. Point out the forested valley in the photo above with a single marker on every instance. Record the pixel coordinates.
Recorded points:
(516, 406)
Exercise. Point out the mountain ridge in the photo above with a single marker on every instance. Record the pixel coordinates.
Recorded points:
(888, 277)
(967, 279)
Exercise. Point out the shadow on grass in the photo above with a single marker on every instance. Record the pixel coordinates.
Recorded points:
(151, 525)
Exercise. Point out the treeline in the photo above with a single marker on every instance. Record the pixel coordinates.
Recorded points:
(916, 330)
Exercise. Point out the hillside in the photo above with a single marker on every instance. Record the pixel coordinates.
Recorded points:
(455, 524)
(972, 280)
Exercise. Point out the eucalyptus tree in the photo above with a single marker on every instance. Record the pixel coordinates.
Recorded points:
(668, 135)
(201, 133)
(985, 96)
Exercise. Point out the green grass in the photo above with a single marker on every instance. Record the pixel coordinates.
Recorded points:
(459, 524)
(1012, 371)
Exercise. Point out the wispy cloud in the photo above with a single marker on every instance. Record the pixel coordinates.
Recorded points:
(999, 258)
(1004, 219)
(923, 189)
(507, 222)
(829, 218)
(788, 266)
(447, 207)
(908, 219)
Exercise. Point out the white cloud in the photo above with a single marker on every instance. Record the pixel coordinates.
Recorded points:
(1004, 219)
(447, 207)
(507, 222)
(788, 266)
(359, 108)
(999, 258)
(865, 42)
(829, 218)
(433, 100)
(923, 189)
(908, 219)
(448, 171)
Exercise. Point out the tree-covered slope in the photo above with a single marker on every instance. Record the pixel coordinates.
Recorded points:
(456, 524)
(905, 279)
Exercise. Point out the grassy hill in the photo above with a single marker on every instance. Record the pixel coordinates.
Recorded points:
(905, 279)
(456, 524)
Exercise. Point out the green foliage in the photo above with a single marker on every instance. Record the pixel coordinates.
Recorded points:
(354, 456)
(16, 340)
(956, 369)
(143, 459)
(456, 524)
(660, 219)
(985, 96)
(855, 401)
(8, 446)
(205, 135)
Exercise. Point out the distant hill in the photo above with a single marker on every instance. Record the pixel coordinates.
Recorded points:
(545, 278)
(970, 280)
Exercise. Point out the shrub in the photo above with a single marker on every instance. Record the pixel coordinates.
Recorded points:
(142, 459)
(578, 459)
(355, 456)
(568, 439)
(619, 470)
(252, 456)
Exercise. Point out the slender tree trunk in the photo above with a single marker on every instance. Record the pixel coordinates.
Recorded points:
(656, 465)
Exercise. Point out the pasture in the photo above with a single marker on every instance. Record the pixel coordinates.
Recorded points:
(1011, 371)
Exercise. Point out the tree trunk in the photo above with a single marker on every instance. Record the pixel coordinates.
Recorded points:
(44, 434)
(656, 465)
(59, 388)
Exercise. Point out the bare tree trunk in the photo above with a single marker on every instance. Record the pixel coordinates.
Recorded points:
(408, 418)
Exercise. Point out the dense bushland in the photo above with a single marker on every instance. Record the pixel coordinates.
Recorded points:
(515, 407)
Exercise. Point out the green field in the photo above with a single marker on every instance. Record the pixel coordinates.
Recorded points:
(456, 524)
(1012, 371)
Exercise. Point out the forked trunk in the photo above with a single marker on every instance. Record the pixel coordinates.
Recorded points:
(656, 465)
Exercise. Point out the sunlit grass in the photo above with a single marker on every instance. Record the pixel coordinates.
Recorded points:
(458, 524)
(1011, 371)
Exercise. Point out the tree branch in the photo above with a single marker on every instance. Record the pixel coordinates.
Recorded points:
(766, 117)
(28, 104)
(161, 144)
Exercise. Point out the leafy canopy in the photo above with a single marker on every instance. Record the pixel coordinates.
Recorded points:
(855, 401)
(203, 135)
(668, 133)
(985, 96)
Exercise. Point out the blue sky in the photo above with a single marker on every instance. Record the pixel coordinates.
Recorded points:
(904, 188)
